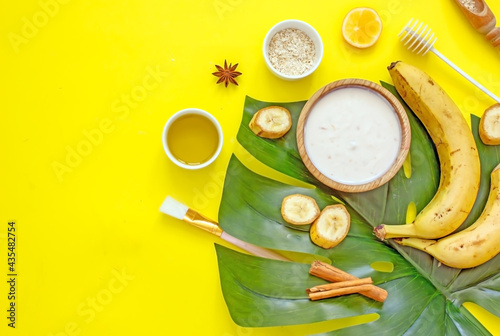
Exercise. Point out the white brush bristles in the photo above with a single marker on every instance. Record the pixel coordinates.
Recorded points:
(417, 37)
(174, 208)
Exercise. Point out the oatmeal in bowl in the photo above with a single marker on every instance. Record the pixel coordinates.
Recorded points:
(292, 49)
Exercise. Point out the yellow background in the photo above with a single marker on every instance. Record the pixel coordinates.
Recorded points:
(95, 256)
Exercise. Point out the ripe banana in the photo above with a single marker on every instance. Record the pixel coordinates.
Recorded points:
(458, 156)
(473, 246)
(331, 227)
(299, 209)
(271, 122)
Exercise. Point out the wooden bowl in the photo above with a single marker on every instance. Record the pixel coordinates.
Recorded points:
(401, 116)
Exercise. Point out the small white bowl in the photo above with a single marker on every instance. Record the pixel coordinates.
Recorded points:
(306, 28)
(176, 116)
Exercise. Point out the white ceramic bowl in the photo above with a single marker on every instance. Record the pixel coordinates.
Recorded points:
(176, 116)
(306, 28)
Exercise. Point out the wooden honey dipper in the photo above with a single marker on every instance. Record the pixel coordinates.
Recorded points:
(482, 19)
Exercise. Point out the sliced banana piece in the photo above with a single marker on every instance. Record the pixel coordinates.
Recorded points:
(271, 122)
(489, 127)
(331, 227)
(299, 209)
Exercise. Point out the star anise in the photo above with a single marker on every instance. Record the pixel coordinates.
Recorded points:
(227, 74)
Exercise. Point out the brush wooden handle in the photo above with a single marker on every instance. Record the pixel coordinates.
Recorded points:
(479, 14)
(253, 249)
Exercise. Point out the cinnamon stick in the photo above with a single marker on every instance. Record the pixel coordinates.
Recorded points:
(331, 273)
(340, 291)
(341, 284)
(328, 272)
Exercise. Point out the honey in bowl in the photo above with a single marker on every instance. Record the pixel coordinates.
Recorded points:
(192, 139)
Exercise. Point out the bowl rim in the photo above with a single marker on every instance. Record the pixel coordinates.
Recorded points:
(307, 29)
(404, 128)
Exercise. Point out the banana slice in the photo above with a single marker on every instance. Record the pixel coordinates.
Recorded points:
(489, 127)
(331, 227)
(299, 209)
(271, 122)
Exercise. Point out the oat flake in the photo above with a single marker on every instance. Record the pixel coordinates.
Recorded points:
(291, 52)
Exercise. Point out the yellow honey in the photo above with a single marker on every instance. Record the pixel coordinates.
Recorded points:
(192, 139)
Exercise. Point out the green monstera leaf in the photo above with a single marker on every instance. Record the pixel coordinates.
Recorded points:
(424, 296)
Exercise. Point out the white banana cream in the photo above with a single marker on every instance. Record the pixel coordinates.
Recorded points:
(352, 135)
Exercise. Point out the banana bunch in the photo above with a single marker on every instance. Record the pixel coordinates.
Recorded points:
(473, 246)
(456, 148)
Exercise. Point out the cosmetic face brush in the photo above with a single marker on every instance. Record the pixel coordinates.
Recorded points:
(180, 211)
(419, 39)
